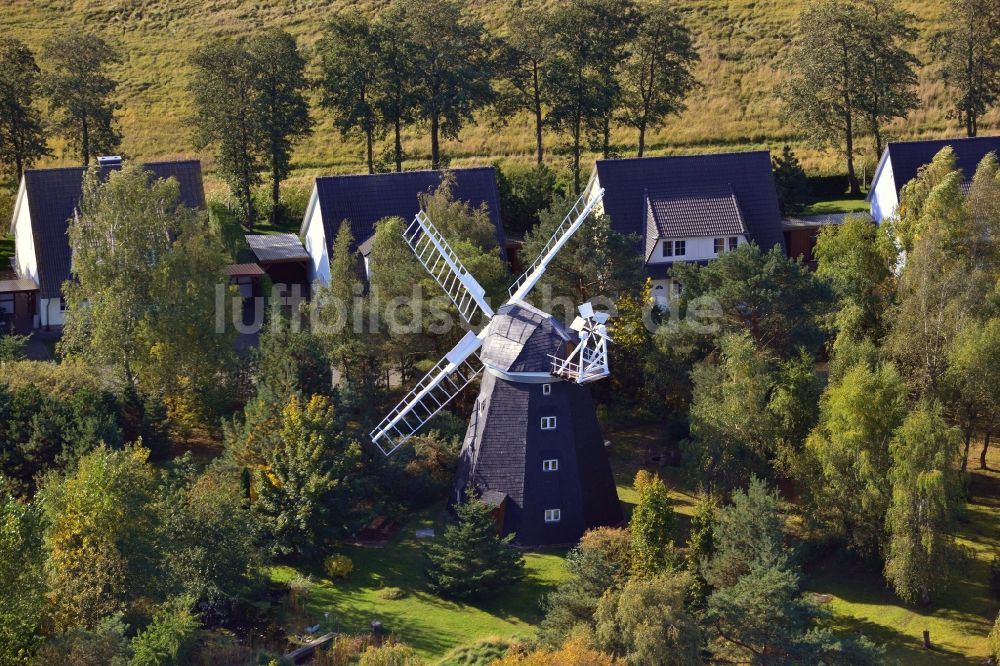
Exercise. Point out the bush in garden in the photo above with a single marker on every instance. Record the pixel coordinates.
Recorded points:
(338, 566)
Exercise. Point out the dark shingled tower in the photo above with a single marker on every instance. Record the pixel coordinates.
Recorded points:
(507, 455)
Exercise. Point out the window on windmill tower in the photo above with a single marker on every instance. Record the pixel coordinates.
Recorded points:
(546, 389)
(550, 465)
(553, 515)
(548, 423)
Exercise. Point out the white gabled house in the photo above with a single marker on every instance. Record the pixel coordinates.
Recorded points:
(690, 208)
(362, 200)
(46, 200)
(901, 160)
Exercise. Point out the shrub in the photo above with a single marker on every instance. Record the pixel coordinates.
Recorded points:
(392, 593)
(338, 566)
(389, 655)
(480, 653)
(994, 640)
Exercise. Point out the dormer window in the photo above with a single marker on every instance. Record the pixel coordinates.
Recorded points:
(734, 241)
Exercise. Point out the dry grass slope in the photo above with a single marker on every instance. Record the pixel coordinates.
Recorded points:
(742, 43)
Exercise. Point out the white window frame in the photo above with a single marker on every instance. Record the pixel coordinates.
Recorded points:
(668, 248)
(548, 423)
(733, 242)
(718, 245)
(553, 515)
(550, 465)
(546, 389)
(680, 248)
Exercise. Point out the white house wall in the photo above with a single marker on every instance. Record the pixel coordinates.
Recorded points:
(25, 258)
(50, 312)
(884, 199)
(314, 238)
(696, 249)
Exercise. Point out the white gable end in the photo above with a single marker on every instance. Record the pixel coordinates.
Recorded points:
(883, 199)
(314, 238)
(25, 258)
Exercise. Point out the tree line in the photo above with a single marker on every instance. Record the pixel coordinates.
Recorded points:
(580, 70)
(851, 72)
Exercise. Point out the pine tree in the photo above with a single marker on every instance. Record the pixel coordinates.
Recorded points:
(471, 558)
(790, 181)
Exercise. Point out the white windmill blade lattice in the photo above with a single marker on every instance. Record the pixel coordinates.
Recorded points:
(571, 223)
(435, 390)
(434, 253)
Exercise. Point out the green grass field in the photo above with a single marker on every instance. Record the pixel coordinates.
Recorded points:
(742, 43)
(843, 204)
(431, 625)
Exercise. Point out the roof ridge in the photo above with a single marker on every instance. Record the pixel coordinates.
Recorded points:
(401, 173)
(945, 140)
(684, 156)
(100, 166)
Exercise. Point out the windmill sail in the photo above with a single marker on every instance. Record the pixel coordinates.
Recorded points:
(571, 223)
(445, 267)
(437, 388)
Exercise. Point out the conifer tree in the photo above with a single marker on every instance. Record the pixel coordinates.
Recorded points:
(652, 519)
(22, 135)
(471, 558)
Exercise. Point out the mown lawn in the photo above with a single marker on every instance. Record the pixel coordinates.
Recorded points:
(432, 625)
(958, 620)
(839, 205)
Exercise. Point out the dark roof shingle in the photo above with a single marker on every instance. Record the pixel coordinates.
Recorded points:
(54, 195)
(365, 199)
(700, 181)
(908, 156)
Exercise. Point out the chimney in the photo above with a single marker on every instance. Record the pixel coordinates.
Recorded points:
(109, 161)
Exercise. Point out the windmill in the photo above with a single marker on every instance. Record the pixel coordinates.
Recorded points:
(533, 449)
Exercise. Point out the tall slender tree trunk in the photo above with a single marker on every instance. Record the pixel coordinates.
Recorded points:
(86, 143)
(852, 177)
(642, 139)
(370, 140)
(435, 147)
(275, 191)
(398, 127)
(606, 144)
(538, 114)
(965, 449)
(986, 447)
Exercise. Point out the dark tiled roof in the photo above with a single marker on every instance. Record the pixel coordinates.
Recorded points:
(365, 199)
(521, 337)
(243, 270)
(277, 248)
(747, 176)
(53, 196)
(908, 156)
(691, 214)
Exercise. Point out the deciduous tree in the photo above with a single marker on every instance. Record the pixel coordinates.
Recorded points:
(349, 53)
(22, 135)
(924, 480)
(224, 94)
(658, 75)
(452, 67)
(281, 104)
(968, 53)
(652, 519)
(824, 95)
(524, 55)
(81, 91)
(888, 68)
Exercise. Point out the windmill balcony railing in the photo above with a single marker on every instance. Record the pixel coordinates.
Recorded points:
(571, 216)
(593, 367)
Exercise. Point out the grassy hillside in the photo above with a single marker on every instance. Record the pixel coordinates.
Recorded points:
(742, 43)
